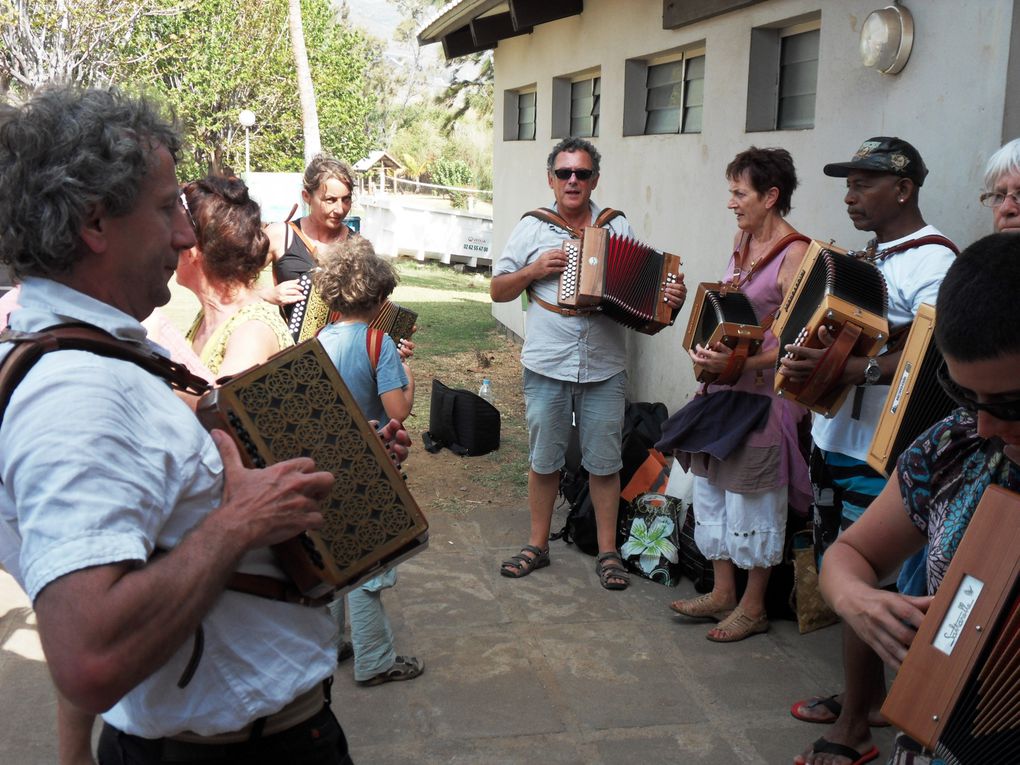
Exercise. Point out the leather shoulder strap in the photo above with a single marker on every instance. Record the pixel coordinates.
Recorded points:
(607, 214)
(919, 242)
(373, 342)
(548, 215)
(301, 235)
(30, 347)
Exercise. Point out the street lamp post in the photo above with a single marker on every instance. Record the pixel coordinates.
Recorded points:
(247, 119)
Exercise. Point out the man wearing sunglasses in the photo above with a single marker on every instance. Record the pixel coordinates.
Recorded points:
(940, 479)
(883, 181)
(574, 362)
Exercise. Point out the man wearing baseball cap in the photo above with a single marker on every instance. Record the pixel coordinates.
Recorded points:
(883, 181)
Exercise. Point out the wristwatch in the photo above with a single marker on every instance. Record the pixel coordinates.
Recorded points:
(872, 372)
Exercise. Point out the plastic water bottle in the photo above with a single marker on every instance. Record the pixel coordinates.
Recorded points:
(485, 391)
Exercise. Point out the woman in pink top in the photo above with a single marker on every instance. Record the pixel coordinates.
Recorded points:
(748, 474)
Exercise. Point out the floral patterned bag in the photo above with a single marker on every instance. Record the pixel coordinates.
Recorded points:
(649, 536)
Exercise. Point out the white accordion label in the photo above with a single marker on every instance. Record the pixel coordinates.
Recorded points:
(959, 612)
(907, 369)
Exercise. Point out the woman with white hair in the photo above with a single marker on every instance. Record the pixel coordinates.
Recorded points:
(1002, 187)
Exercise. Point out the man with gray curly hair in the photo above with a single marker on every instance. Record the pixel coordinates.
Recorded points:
(123, 519)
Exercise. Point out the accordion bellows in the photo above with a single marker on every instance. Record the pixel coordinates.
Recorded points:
(622, 277)
(296, 405)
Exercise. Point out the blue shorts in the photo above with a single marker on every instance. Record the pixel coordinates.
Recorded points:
(551, 405)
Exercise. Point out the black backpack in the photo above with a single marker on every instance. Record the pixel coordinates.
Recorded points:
(462, 421)
(642, 423)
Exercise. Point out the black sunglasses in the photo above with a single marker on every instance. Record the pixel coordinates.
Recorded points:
(1008, 411)
(582, 174)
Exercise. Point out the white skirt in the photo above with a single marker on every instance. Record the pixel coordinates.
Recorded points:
(748, 529)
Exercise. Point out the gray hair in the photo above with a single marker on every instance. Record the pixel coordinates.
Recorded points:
(64, 154)
(1003, 162)
(574, 144)
(322, 168)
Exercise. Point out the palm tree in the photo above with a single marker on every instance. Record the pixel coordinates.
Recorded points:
(306, 89)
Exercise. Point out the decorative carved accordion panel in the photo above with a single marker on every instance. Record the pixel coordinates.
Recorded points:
(623, 277)
(311, 313)
(843, 293)
(396, 321)
(916, 401)
(958, 690)
(724, 316)
(296, 405)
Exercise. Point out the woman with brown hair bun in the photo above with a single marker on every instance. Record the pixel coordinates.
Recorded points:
(235, 328)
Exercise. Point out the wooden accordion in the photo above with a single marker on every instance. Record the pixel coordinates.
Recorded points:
(296, 405)
(395, 320)
(915, 401)
(621, 277)
(311, 313)
(721, 315)
(847, 295)
(958, 690)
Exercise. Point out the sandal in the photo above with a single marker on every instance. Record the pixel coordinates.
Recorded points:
(824, 746)
(702, 607)
(404, 668)
(609, 567)
(522, 565)
(737, 626)
(831, 705)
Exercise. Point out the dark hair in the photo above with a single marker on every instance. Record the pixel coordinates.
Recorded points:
(766, 168)
(352, 279)
(574, 144)
(977, 301)
(322, 168)
(228, 227)
(64, 154)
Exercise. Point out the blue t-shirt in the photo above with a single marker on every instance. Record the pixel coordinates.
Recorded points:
(345, 344)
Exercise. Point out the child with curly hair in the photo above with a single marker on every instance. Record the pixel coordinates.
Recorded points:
(356, 282)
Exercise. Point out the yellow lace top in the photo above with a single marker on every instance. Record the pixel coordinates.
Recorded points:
(216, 346)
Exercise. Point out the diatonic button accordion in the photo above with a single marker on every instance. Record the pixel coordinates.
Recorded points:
(296, 405)
(722, 315)
(620, 277)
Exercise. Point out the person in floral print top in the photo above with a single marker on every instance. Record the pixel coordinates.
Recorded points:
(941, 477)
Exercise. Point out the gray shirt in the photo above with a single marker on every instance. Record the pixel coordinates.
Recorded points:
(581, 349)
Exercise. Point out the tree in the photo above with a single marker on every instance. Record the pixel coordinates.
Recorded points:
(67, 41)
(306, 89)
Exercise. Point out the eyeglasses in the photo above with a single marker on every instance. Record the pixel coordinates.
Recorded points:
(995, 198)
(1001, 410)
(582, 174)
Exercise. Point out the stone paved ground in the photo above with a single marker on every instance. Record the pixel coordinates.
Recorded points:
(551, 668)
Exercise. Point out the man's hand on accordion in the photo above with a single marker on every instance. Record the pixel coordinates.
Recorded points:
(676, 293)
(799, 361)
(549, 263)
(270, 505)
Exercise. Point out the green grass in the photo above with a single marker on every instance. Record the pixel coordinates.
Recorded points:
(452, 327)
(439, 277)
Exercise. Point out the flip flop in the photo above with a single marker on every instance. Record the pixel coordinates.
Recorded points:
(824, 746)
(829, 703)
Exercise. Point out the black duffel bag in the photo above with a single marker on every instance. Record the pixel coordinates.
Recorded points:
(462, 421)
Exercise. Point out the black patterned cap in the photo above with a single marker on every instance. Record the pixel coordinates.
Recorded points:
(883, 155)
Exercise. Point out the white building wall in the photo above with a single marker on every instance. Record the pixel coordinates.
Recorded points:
(948, 101)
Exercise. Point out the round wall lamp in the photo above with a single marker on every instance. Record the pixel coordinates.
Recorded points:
(886, 39)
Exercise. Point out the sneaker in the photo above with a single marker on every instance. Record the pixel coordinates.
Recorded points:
(404, 668)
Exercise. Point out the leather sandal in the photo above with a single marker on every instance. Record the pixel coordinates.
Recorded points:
(702, 607)
(738, 626)
(404, 668)
(521, 565)
(609, 567)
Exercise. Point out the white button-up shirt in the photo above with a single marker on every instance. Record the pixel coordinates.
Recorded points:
(101, 464)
